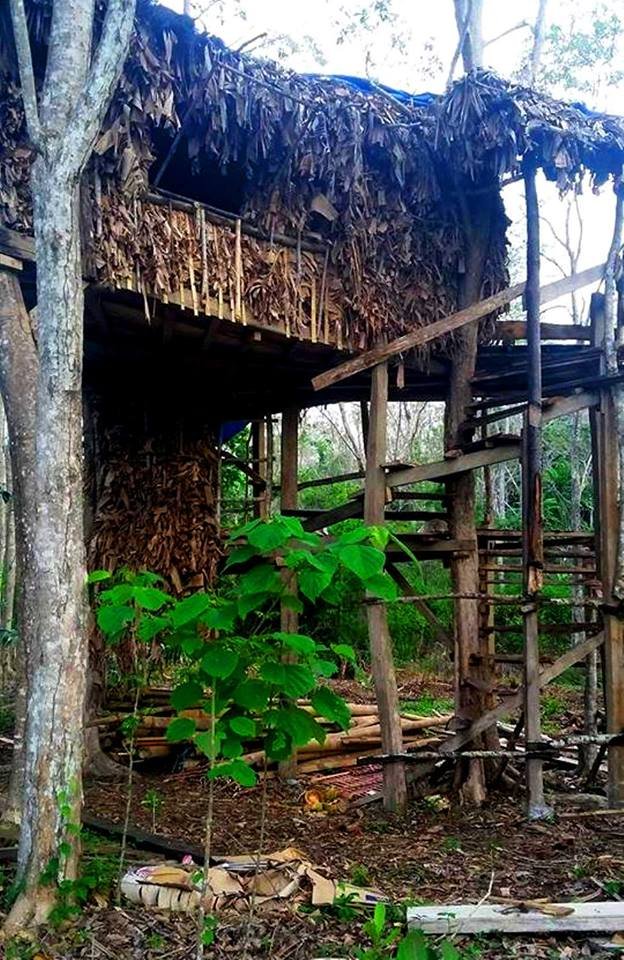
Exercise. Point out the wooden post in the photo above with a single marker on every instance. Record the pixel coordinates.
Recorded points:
(259, 463)
(382, 663)
(606, 511)
(289, 619)
(532, 533)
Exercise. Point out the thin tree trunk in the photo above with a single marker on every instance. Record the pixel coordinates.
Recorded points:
(60, 652)
(62, 125)
(473, 679)
(18, 378)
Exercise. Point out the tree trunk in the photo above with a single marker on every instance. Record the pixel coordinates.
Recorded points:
(18, 378)
(473, 678)
(58, 659)
(468, 17)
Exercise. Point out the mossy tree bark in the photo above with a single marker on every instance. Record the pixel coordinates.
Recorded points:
(62, 124)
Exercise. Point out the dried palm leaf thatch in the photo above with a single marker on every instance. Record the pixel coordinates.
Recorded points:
(155, 502)
(376, 177)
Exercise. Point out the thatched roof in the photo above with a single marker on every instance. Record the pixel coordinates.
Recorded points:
(364, 182)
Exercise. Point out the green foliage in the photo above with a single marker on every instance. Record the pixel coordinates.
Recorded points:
(253, 685)
(386, 941)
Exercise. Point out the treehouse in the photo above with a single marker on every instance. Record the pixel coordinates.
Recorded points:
(256, 241)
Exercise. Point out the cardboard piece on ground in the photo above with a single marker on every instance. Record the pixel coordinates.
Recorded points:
(276, 877)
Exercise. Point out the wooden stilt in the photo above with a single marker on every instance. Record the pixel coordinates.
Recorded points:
(605, 463)
(289, 619)
(259, 464)
(533, 541)
(394, 784)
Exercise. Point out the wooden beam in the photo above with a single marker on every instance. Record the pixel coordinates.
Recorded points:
(327, 481)
(517, 330)
(417, 338)
(382, 663)
(509, 704)
(562, 406)
(454, 465)
(17, 245)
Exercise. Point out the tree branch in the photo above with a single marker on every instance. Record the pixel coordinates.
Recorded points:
(499, 36)
(100, 86)
(26, 73)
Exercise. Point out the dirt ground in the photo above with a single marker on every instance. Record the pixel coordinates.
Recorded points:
(437, 853)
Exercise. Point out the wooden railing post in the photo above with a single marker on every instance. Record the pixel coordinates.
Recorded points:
(382, 661)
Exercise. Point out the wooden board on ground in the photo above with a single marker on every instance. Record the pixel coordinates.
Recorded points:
(597, 917)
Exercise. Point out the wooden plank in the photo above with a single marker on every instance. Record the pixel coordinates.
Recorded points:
(462, 918)
(382, 663)
(516, 330)
(10, 263)
(547, 675)
(417, 338)
(326, 481)
(454, 465)
(17, 245)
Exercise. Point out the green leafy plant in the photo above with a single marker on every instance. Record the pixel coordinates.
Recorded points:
(153, 802)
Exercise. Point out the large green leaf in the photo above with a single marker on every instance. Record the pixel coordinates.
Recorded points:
(222, 617)
(383, 586)
(151, 598)
(329, 705)
(113, 619)
(98, 576)
(299, 725)
(243, 726)
(298, 680)
(231, 748)
(344, 651)
(240, 555)
(208, 744)
(273, 672)
(362, 560)
(268, 536)
(278, 745)
(218, 661)
(312, 583)
(415, 947)
(181, 728)
(187, 695)
(298, 642)
(252, 694)
(150, 627)
(236, 770)
(250, 602)
(190, 608)
(262, 578)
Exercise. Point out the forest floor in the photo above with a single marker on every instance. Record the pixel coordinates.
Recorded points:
(437, 853)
